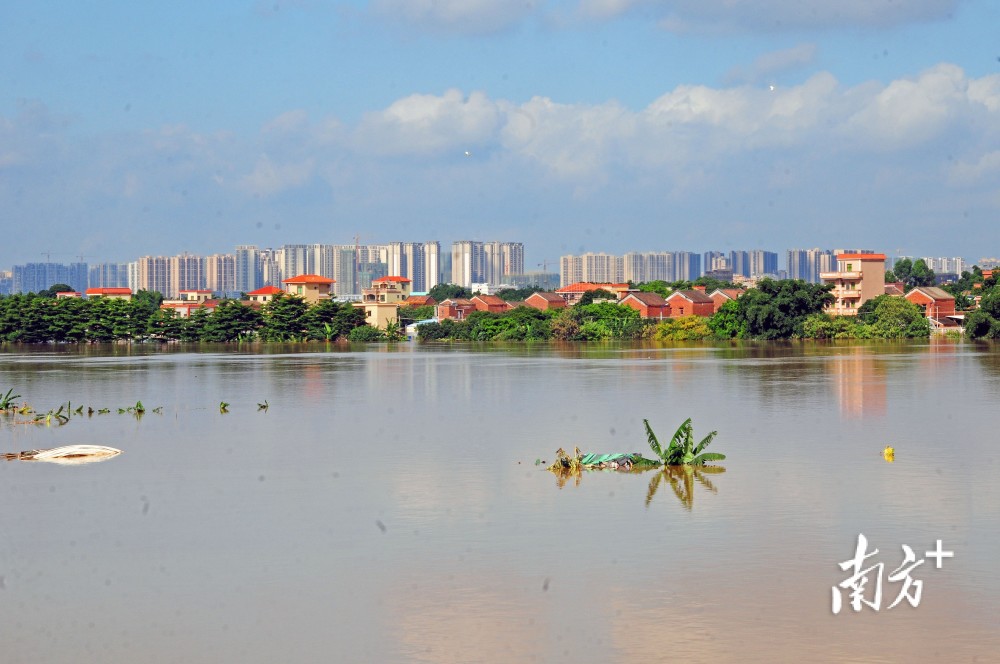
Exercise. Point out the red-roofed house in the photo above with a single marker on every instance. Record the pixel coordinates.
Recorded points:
(690, 303)
(113, 293)
(649, 305)
(456, 309)
(184, 308)
(573, 292)
(490, 303)
(938, 305)
(310, 287)
(545, 301)
(263, 295)
(419, 301)
(722, 295)
(381, 302)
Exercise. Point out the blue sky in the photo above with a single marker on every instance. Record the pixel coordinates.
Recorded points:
(129, 129)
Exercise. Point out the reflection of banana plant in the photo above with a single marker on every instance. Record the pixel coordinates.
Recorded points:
(682, 450)
(682, 479)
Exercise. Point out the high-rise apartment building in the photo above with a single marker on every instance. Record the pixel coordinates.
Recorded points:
(417, 261)
(186, 272)
(687, 266)
(467, 263)
(152, 273)
(763, 263)
(485, 262)
(592, 268)
(807, 264)
(247, 276)
(34, 277)
(108, 275)
(649, 266)
(220, 274)
(715, 260)
(739, 261)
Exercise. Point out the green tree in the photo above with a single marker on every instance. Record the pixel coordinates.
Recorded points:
(442, 292)
(921, 274)
(51, 291)
(165, 325)
(596, 294)
(366, 334)
(285, 319)
(232, 321)
(897, 318)
(772, 310)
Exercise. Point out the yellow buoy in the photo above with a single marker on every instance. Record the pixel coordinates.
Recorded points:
(889, 454)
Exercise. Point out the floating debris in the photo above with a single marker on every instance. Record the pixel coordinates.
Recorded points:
(67, 455)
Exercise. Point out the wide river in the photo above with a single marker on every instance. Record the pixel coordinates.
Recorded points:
(387, 505)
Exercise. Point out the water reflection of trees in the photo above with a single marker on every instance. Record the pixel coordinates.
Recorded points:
(682, 479)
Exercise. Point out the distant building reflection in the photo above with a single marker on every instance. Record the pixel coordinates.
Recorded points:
(860, 382)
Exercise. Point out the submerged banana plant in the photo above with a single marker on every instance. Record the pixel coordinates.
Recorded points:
(682, 451)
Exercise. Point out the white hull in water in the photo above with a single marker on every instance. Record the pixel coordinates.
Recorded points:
(68, 455)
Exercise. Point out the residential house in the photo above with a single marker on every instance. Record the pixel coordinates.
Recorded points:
(456, 309)
(195, 295)
(62, 295)
(310, 287)
(649, 305)
(111, 293)
(382, 300)
(185, 308)
(419, 301)
(859, 278)
(722, 295)
(262, 296)
(544, 301)
(938, 305)
(490, 303)
(573, 292)
(895, 288)
(690, 303)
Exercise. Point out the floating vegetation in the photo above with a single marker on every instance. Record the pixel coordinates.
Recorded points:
(263, 406)
(681, 463)
(223, 407)
(7, 400)
(67, 455)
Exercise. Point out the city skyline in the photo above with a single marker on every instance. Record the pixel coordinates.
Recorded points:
(467, 264)
(708, 125)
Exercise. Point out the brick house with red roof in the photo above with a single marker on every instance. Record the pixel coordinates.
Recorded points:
(490, 303)
(937, 304)
(649, 305)
(544, 301)
(722, 295)
(455, 309)
(690, 303)
(419, 301)
(573, 292)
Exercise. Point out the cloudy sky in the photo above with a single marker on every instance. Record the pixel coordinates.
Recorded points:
(131, 128)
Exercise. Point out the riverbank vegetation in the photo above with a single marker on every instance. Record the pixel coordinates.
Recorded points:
(33, 318)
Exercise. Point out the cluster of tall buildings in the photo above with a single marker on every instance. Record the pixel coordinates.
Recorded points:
(666, 266)
(352, 266)
(804, 264)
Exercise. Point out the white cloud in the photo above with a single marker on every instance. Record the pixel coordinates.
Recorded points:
(269, 178)
(429, 124)
(773, 15)
(456, 16)
(984, 169)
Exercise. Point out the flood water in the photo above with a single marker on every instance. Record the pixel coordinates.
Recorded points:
(386, 507)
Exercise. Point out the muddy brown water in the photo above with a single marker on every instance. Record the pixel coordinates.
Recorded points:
(386, 507)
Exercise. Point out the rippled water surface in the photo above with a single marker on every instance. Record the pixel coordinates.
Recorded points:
(386, 507)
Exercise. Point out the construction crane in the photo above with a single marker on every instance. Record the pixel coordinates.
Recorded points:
(545, 264)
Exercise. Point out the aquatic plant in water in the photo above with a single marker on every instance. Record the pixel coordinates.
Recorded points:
(682, 451)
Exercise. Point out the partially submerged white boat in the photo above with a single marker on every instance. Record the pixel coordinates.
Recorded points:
(68, 455)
